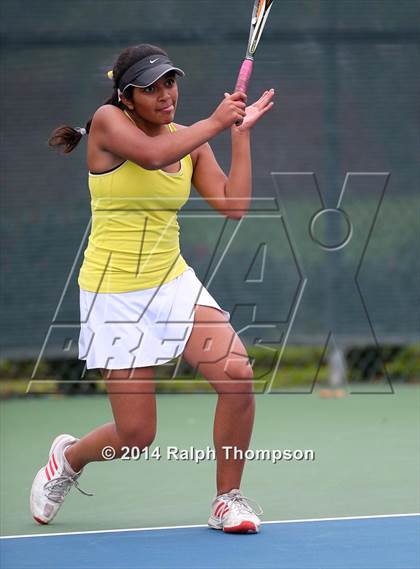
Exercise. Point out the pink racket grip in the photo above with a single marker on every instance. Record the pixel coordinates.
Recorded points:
(244, 76)
(243, 80)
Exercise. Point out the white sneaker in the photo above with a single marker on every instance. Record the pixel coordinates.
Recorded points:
(232, 513)
(53, 482)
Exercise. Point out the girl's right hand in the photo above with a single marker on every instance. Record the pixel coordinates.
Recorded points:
(230, 110)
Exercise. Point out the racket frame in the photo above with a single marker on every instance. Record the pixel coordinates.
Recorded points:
(260, 14)
(259, 17)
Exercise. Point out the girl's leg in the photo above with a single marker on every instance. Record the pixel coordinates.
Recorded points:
(132, 397)
(216, 351)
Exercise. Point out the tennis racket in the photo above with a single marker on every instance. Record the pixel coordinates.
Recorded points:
(259, 18)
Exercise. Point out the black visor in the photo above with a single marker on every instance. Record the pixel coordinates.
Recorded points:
(147, 71)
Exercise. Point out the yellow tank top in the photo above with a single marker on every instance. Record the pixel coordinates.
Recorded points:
(134, 238)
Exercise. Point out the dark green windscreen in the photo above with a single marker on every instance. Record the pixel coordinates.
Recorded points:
(347, 80)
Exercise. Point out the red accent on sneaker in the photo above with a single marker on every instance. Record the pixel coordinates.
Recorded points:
(39, 521)
(219, 509)
(225, 511)
(47, 472)
(243, 527)
(54, 462)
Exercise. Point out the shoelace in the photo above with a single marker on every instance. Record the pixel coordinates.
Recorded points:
(58, 488)
(241, 503)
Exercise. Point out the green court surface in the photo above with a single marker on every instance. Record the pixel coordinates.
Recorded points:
(366, 461)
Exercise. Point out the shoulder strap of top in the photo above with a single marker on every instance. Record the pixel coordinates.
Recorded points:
(127, 115)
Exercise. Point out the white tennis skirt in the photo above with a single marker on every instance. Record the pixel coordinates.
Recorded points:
(143, 327)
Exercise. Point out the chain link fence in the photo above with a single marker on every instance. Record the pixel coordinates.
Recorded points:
(328, 255)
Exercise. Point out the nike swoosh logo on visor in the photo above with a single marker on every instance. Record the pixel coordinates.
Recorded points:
(154, 60)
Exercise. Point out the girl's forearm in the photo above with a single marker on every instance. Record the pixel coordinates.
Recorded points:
(238, 188)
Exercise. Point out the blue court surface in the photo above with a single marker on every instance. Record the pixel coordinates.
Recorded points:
(380, 542)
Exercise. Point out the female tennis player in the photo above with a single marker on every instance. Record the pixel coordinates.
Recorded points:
(141, 304)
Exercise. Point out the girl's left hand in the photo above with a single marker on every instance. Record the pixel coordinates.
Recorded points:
(255, 111)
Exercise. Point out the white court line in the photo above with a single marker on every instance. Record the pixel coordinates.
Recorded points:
(374, 516)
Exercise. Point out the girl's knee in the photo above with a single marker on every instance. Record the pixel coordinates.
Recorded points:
(240, 378)
(140, 437)
(239, 369)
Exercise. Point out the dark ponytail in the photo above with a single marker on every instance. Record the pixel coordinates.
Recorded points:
(65, 138)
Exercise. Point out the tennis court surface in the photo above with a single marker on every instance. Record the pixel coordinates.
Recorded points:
(381, 542)
(353, 506)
